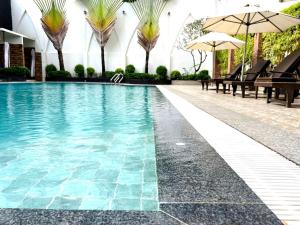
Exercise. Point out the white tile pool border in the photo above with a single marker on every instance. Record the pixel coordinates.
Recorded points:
(272, 177)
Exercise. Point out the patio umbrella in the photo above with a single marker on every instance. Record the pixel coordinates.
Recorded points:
(213, 42)
(250, 19)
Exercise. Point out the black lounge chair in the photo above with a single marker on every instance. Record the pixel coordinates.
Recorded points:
(285, 76)
(259, 69)
(234, 75)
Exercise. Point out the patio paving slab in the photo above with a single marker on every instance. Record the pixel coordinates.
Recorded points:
(273, 125)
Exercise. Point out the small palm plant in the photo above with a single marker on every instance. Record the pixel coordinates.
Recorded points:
(148, 12)
(102, 16)
(55, 24)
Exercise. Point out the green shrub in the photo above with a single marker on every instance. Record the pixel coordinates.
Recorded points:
(130, 68)
(60, 74)
(162, 71)
(79, 70)
(90, 71)
(109, 74)
(139, 76)
(16, 71)
(50, 68)
(203, 75)
(119, 70)
(175, 75)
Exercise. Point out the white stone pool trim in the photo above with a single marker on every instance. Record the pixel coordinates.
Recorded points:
(272, 177)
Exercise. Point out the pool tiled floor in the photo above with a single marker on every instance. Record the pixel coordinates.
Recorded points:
(195, 186)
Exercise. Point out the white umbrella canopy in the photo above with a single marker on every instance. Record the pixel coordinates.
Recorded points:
(250, 19)
(215, 41)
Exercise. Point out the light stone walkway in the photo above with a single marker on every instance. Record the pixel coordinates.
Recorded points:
(273, 178)
(273, 125)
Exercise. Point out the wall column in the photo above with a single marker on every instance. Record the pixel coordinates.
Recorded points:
(257, 51)
(38, 67)
(17, 57)
(217, 69)
(231, 62)
(1, 55)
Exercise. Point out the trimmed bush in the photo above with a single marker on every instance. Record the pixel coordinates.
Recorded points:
(79, 70)
(90, 71)
(61, 74)
(15, 73)
(141, 76)
(203, 75)
(130, 69)
(119, 70)
(162, 71)
(175, 75)
(109, 74)
(50, 68)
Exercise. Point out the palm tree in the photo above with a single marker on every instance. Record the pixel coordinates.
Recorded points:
(102, 16)
(55, 24)
(148, 12)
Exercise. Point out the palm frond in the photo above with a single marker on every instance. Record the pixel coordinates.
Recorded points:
(148, 12)
(101, 15)
(54, 20)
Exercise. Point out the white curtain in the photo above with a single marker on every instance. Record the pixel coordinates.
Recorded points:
(32, 63)
(6, 55)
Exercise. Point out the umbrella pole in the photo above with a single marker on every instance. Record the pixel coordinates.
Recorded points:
(214, 63)
(245, 49)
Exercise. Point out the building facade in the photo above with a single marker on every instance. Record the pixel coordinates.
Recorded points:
(80, 46)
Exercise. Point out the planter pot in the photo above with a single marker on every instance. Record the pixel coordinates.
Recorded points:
(185, 82)
(9, 78)
(147, 81)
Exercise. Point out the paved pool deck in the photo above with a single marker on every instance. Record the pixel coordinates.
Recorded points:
(248, 135)
(196, 185)
(273, 124)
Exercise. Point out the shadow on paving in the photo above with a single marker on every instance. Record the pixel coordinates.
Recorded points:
(195, 184)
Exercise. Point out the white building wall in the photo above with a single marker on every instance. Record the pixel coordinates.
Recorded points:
(80, 46)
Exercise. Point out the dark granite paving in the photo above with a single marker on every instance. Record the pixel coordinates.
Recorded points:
(227, 214)
(196, 186)
(62, 217)
(195, 183)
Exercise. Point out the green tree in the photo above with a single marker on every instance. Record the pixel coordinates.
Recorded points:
(55, 24)
(190, 32)
(239, 53)
(102, 16)
(276, 45)
(222, 56)
(148, 12)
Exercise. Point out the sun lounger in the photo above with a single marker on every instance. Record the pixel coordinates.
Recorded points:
(234, 75)
(259, 69)
(284, 76)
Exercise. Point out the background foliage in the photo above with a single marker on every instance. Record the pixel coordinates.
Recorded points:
(190, 32)
(276, 45)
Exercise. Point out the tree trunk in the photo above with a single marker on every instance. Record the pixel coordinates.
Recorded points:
(147, 62)
(61, 59)
(103, 61)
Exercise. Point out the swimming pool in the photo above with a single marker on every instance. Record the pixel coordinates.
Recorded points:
(77, 146)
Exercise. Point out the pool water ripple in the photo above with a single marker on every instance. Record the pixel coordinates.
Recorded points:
(77, 146)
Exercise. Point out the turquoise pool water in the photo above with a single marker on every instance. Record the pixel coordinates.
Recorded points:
(77, 146)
